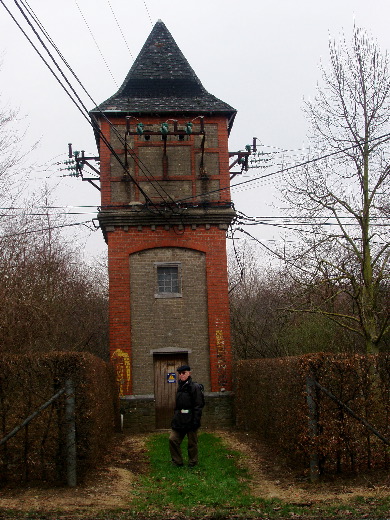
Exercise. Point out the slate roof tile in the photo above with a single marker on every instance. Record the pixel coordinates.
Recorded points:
(162, 80)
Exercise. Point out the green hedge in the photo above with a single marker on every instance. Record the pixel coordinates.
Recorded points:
(37, 452)
(271, 399)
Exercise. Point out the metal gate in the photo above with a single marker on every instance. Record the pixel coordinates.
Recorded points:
(165, 386)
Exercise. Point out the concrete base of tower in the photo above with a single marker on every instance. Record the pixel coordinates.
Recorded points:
(139, 412)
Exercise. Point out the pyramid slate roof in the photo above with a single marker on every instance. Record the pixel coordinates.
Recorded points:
(162, 81)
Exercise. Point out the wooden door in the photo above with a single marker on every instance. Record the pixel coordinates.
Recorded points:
(165, 386)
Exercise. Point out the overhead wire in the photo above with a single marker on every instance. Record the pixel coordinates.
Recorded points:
(84, 110)
(261, 243)
(311, 161)
(38, 52)
(42, 230)
(303, 220)
(287, 168)
(147, 10)
(238, 260)
(140, 164)
(105, 140)
(241, 218)
(120, 29)
(138, 161)
(96, 43)
(285, 222)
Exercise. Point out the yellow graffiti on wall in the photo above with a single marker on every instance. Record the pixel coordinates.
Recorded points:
(221, 357)
(121, 362)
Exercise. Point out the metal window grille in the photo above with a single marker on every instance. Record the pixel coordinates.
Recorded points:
(168, 279)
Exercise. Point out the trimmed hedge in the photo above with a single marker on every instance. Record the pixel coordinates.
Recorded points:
(271, 399)
(37, 452)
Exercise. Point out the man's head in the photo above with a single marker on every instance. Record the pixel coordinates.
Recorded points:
(184, 372)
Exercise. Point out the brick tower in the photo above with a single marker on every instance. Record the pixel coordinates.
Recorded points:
(165, 209)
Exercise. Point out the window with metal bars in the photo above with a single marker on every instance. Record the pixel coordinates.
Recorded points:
(168, 280)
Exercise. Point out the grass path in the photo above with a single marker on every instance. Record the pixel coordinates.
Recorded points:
(216, 484)
(137, 482)
(218, 488)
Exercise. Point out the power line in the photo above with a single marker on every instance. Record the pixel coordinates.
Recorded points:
(310, 161)
(10, 208)
(84, 110)
(120, 29)
(96, 43)
(147, 10)
(275, 253)
(241, 217)
(37, 51)
(308, 220)
(240, 213)
(288, 168)
(42, 230)
(140, 164)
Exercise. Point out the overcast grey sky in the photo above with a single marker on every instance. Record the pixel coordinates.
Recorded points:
(261, 57)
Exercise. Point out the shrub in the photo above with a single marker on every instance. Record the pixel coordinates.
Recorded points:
(38, 450)
(271, 399)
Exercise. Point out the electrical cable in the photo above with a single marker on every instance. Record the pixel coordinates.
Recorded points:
(261, 243)
(39, 54)
(95, 126)
(330, 220)
(86, 114)
(120, 29)
(284, 169)
(288, 168)
(30, 231)
(241, 218)
(140, 164)
(241, 267)
(147, 10)
(96, 43)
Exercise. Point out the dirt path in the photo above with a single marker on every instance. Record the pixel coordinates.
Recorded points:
(108, 487)
(271, 479)
(111, 485)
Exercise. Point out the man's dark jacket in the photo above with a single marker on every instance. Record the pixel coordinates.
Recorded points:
(188, 407)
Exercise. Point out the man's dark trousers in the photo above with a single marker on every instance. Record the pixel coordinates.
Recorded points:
(175, 440)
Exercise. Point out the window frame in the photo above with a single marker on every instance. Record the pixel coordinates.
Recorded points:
(160, 294)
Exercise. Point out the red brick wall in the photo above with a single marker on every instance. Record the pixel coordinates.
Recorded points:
(210, 239)
(121, 244)
(222, 178)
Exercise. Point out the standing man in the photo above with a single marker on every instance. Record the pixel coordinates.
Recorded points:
(186, 419)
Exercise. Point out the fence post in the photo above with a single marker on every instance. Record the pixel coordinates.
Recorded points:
(313, 425)
(71, 470)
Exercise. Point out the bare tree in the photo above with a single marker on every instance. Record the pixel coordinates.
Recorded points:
(256, 300)
(13, 170)
(345, 256)
(261, 323)
(51, 300)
